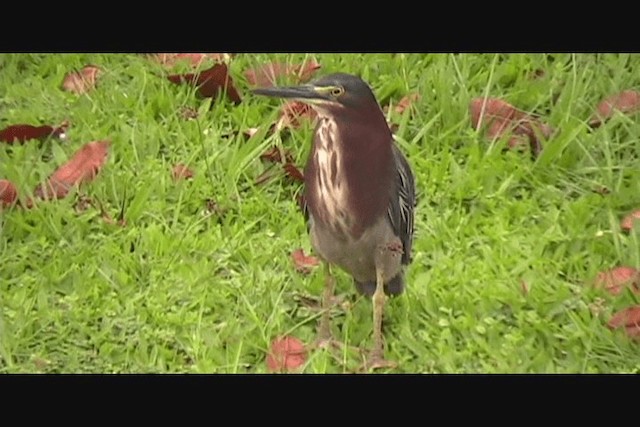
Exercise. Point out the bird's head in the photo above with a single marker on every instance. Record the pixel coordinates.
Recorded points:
(331, 95)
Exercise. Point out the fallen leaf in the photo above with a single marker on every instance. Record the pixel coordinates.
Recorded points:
(22, 133)
(83, 203)
(81, 81)
(286, 354)
(213, 207)
(629, 220)
(188, 113)
(627, 102)
(210, 82)
(8, 193)
(194, 59)
(267, 75)
(406, 102)
(292, 114)
(181, 171)
(629, 318)
(293, 172)
(501, 118)
(274, 154)
(304, 263)
(83, 167)
(616, 279)
(109, 220)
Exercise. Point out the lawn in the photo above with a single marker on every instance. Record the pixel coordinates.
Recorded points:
(199, 279)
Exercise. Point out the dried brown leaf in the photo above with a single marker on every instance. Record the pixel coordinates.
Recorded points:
(406, 102)
(293, 172)
(22, 133)
(109, 220)
(181, 171)
(501, 118)
(293, 113)
(82, 167)
(210, 82)
(616, 279)
(8, 193)
(268, 75)
(274, 154)
(629, 319)
(188, 113)
(83, 202)
(81, 81)
(286, 354)
(627, 102)
(629, 221)
(194, 59)
(304, 263)
(213, 207)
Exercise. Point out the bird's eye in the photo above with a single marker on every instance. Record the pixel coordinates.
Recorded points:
(337, 91)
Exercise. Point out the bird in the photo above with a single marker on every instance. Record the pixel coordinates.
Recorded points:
(359, 196)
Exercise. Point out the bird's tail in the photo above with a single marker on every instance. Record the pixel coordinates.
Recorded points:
(393, 287)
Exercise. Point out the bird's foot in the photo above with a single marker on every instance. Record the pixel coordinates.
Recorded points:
(377, 361)
(328, 343)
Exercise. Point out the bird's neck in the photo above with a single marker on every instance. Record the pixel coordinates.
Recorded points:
(349, 172)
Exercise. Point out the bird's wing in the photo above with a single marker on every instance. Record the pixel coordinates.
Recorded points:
(401, 209)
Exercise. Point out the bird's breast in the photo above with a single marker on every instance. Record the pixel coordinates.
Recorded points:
(326, 183)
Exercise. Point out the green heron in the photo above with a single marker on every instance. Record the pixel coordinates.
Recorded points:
(359, 195)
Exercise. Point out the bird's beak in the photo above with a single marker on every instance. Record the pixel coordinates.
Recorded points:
(308, 93)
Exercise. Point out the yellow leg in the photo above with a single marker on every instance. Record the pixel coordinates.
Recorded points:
(324, 331)
(376, 358)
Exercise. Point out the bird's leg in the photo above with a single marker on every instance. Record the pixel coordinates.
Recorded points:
(376, 357)
(324, 330)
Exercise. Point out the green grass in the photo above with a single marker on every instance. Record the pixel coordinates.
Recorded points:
(182, 289)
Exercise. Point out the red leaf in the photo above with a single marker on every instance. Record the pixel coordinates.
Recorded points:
(274, 154)
(181, 171)
(81, 81)
(629, 318)
(304, 263)
(8, 193)
(210, 82)
(626, 102)
(22, 133)
(268, 74)
(292, 114)
(83, 167)
(406, 102)
(293, 172)
(286, 354)
(195, 59)
(616, 279)
(501, 118)
(629, 220)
